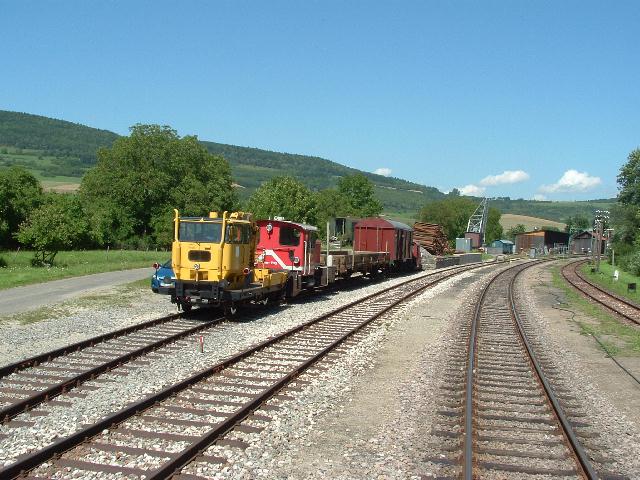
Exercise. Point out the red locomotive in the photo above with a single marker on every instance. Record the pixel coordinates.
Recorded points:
(379, 246)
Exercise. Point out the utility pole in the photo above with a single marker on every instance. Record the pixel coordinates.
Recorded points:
(602, 216)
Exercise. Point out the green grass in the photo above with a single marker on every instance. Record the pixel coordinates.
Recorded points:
(618, 338)
(72, 264)
(605, 280)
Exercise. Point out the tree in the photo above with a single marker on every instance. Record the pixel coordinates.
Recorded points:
(330, 203)
(132, 190)
(20, 194)
(577, 223)
(629, 180)
(58, 224)
(359, 192)
(283, 197)
(515, 230)
(452, 214)
(494, 229)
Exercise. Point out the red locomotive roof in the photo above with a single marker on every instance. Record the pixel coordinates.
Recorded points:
(303, 226)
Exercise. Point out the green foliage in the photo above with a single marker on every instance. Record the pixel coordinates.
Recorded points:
(625, 216)
(284, 197)
(358, 191)
(20, 194)
(55, 137)
(58, 224)
(577, 223)
(453, 215)
(135, 185)
(3, 263)
(630, 262)
(330, 203)
(515, 230)
(494, 229)
(629, 180)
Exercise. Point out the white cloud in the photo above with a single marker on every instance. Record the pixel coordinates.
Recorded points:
(572, 181)
(473, 190)
(384, 171)
(540, 197)
(508, 176)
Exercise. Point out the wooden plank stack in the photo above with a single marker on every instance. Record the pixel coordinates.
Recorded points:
(431, 237)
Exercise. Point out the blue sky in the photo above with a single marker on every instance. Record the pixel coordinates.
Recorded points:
(444, 93)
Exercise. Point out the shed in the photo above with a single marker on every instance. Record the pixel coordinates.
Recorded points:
(540, 240)
(585, 242)
(501, 246)
(377, 234)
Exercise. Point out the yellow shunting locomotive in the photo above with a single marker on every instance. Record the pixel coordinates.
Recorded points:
(213, 262)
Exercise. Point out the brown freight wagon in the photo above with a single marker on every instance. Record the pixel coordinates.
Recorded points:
(382, 235)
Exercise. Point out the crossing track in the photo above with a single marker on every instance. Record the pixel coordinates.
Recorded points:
(179, 423)
(611, 301)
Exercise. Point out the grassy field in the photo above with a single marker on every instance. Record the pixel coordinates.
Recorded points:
(508, 220)
(72, 264)
(618, 338)
(605, 280)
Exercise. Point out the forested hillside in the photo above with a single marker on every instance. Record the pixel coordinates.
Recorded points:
(60, 152)
(53, 137)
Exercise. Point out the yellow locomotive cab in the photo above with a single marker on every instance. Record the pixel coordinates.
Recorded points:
(213, 248)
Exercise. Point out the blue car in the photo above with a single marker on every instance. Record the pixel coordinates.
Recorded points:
(163, 281)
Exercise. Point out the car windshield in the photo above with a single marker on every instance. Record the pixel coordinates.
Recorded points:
(167, 264)
(206, 232)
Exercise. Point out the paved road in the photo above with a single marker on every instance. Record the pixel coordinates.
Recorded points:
(29, 297)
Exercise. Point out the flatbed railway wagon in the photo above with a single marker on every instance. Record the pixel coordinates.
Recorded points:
(213, 259)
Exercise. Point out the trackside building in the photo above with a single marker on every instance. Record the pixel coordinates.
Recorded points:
(539, 239)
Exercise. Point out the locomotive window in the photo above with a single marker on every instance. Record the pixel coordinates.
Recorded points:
(206, 232)
(289, 236)
(239, 234)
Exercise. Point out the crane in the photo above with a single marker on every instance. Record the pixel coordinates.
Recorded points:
(478, 220)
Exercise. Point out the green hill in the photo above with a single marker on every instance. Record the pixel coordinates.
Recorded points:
(60, 152)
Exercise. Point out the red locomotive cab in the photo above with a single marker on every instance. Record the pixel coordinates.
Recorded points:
(287, 245)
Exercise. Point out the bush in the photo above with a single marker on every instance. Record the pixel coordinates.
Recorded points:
(3, 263)
(630, 263)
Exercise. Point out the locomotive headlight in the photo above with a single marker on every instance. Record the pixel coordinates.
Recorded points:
(196, 266)
(269, 228)
(296, 260)
(261, 258)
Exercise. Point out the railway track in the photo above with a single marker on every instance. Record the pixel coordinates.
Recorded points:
(514, 423)
(611, 301)
(504, 413)
(30, 382)
(160, 435)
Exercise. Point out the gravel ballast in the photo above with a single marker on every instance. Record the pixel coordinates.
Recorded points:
(166, 366)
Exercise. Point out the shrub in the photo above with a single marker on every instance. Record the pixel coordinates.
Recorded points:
(3, 263)
(630, 263)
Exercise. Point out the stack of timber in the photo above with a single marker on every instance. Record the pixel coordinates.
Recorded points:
(431, 237)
